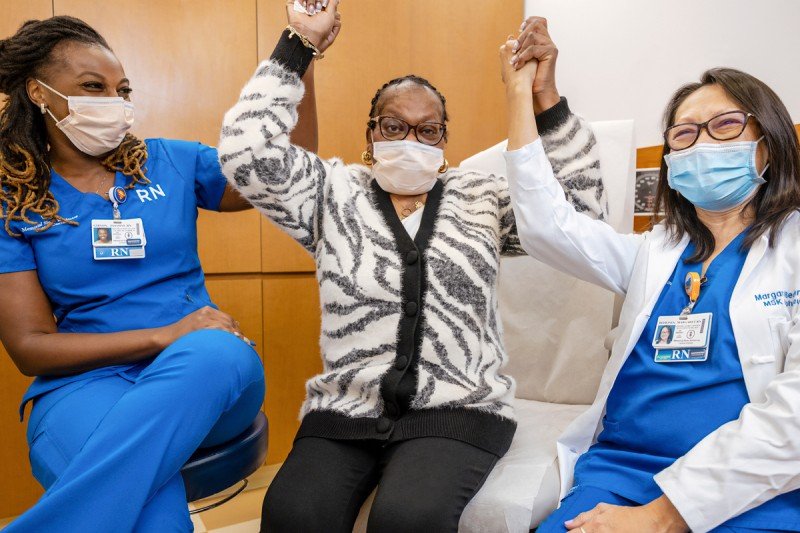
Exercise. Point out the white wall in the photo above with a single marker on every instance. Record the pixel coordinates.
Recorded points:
(624, 58)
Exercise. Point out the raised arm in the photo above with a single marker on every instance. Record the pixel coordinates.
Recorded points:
(285, 182)
(587, 192)
(305, 135)
(553, 225)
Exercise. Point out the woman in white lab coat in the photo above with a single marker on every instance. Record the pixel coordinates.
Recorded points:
(702, 433)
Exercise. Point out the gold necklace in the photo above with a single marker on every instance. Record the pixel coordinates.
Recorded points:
(407, 209)
(102, 182)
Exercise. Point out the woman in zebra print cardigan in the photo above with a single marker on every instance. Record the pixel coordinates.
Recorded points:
(412, 392)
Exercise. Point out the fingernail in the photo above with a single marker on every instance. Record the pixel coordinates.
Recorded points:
(324, 3)
(511, 62)
(514, 59)
(319, 6)
(516, 46)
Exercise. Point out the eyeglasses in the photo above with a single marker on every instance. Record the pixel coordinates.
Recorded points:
(722, 127)
(395, 129)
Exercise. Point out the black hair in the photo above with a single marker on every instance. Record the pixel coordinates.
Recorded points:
(410, 78)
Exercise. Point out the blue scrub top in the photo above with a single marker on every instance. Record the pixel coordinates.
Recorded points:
(657, 412)
(90, 296)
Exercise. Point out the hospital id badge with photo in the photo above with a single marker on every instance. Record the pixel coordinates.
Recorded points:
(682, 338)
(118, 239)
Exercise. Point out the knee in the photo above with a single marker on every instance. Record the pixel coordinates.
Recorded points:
(411, 513)
(211, 352)
(293, 509)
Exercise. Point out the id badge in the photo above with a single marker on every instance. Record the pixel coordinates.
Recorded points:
(682, 338)
(118, 239)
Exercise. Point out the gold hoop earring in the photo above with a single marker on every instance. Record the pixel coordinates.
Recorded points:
(366, 158)
(444, 167)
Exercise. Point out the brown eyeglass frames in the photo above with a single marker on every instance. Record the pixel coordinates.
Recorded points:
(396, 129)
(723, 127)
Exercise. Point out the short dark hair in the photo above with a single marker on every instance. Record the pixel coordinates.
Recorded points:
(775, 200)
(375, 108)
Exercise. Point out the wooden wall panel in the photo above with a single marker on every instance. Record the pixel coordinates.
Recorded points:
(18, 489)
(187, 59)
(229, 242)
(241, 298)
(291, 353)
(16, 12)
(183, 83)
(280, 253)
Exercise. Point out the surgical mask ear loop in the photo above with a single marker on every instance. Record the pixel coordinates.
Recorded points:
(51, 89)
(43, 107)
(761, 175)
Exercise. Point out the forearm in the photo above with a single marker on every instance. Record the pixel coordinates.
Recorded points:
(305, 135)
(306, 132)
(53, 354)
(284, 181)
(552, 231)
(521, 120)
(233, 201)
(545, 100)
(667, 516)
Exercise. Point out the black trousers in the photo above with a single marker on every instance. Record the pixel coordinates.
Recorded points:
(423, 485)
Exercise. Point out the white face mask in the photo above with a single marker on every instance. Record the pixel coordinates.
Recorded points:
(95, 124)
(406, 167)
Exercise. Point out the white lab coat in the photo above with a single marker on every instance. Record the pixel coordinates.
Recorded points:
(743, 463)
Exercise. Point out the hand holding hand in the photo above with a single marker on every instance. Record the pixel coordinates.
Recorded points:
(535, 43)
(337, 26)
(513, 77)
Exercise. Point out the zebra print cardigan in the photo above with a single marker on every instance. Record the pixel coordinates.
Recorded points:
(411, 338)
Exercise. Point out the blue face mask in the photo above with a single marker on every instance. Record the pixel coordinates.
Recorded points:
(715, 177)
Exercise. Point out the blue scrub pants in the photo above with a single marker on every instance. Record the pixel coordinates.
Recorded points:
(583, 498)
(109, 450)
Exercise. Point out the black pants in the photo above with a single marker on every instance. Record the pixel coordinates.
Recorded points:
(424, 485)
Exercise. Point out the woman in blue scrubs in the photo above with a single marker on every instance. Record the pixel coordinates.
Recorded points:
(696, 423)
(102, 295)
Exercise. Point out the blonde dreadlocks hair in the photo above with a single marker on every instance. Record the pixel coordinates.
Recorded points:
(24, 157)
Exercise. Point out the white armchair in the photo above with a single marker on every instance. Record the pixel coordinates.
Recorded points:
(555, 327)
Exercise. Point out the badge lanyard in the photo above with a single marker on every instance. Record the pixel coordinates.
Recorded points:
(685, 337)
(692, 284)
(118, 238)
(117, 195)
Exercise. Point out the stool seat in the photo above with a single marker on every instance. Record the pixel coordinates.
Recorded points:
(212, 470)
